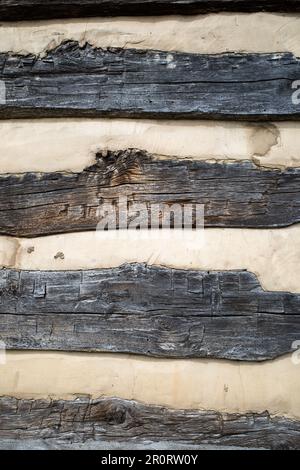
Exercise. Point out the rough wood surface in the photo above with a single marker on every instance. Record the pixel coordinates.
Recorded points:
(14, 10)
(111, 419)
(233, 195)
(84, 81)
(91, 444)
(152, 311)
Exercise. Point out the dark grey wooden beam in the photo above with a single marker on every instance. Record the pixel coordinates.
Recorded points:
(233, 195)
(108, 420)
(75, 81)
(14, 10)
(152, 311)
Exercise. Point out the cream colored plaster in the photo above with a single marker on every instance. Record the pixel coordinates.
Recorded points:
(215, 33)
(9, 247)
(71, 144)
(194, 383)
(272, 254)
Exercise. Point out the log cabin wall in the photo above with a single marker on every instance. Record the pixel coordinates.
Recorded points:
(130, 341)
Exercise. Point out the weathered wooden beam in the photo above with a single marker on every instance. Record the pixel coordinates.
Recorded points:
(247, 338)
(233, 195)
(108, 420)
(84, 81)
(145, 310)
(14, 10)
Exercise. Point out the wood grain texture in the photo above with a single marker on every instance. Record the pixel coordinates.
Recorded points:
(85, 81)
(113, 419)
(14, 10)
(233, 195)
(152, 311)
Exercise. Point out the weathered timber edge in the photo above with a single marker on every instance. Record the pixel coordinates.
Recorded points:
(147, 310)
(110, 419)
(85, 81)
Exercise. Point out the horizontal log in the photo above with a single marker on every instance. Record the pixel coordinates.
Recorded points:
(16, 10)
(108, 420)
(85, 81)
(151, 311)
(233, 195)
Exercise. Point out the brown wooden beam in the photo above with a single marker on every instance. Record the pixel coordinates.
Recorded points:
(232, 194)
(110, 420)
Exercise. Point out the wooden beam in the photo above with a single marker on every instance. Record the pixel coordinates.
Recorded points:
(233, 195)
(84, 81)
(110, 420)
(152, 311)
(14, 10)
(20, 10)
